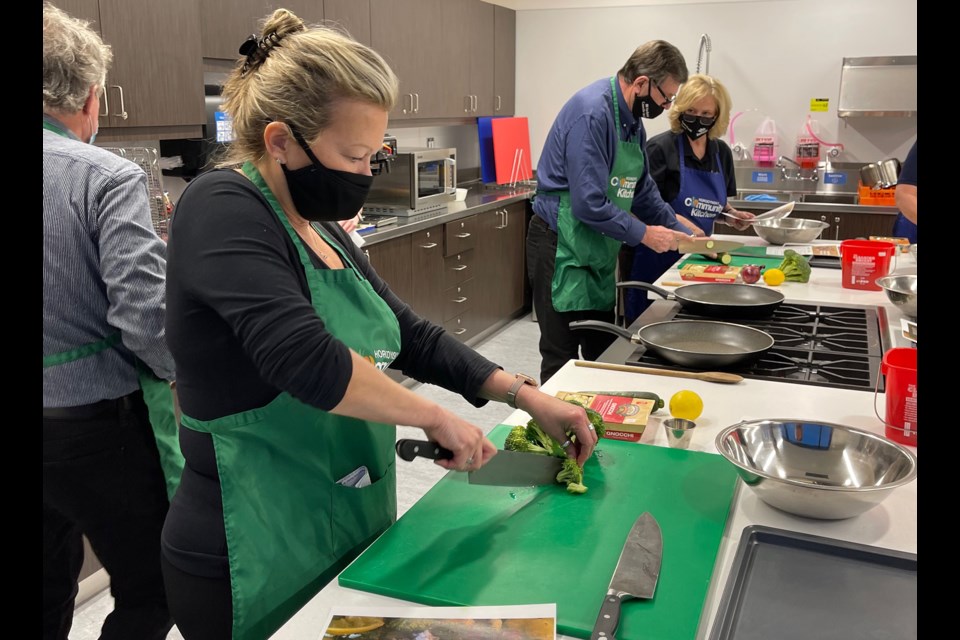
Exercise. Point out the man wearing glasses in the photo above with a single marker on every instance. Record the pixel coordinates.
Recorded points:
(595, 194)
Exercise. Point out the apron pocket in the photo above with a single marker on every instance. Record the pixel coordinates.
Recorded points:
(360, 514)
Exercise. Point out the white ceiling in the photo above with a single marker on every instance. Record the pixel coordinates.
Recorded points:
(537, 5)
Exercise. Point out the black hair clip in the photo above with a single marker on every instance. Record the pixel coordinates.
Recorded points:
(249, 46)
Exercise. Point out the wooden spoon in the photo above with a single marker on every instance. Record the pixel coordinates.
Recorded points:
(709, 376)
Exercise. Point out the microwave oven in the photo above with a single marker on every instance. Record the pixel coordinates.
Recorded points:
(417, 181)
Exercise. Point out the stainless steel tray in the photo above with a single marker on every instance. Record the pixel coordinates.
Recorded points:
(794, 586)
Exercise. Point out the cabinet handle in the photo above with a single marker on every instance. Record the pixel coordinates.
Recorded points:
(106, 104)
(459, 268)
(836, 233)
(466, 104)
(463, 235)
(503, 219)
(459, 332)
(506, 215)
(366, 252)
(405, 110)
(498, 103)
(476, 104)
(123, 109)
(416, 108)
(459, 300)
(430, 245)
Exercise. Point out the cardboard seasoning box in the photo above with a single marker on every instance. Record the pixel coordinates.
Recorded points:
(625, 418)
(710, 272)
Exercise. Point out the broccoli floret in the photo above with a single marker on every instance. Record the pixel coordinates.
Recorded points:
(597, 421)
(795, 267)
(517, 441)
(595, 418)
(540, 438)
(571, 474)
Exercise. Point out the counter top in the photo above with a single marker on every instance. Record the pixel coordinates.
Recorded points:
(892, 524)
(814, 207)
(479, 198)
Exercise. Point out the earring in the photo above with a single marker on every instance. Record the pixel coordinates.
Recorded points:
(279, 161)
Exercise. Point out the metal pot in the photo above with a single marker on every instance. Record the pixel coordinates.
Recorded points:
(881, 175)
(718, 299)
(699, 344)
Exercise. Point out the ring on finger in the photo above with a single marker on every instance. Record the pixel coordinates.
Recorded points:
(469, 460)
(566, 444)
(591, 427)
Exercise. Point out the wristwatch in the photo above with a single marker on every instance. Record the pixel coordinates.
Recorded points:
(521, 380)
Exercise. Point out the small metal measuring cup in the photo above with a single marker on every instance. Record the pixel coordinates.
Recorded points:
(679, 432)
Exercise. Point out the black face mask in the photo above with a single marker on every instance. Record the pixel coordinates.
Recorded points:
(646, 107)
(322, 194)
(696, 126)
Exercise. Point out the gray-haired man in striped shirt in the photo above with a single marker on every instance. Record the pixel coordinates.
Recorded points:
(103, 315)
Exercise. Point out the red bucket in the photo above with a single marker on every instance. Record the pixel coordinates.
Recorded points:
(899, 365)
(863, 261)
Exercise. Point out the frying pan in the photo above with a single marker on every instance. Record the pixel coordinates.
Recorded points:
(700, 344)
(718, 299)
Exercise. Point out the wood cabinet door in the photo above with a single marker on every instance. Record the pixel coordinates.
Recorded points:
(391, 259)
(156, 78)
(504, 61)
(405, 32)
(481, 57)
(225, 24)
(488, 255)
(514, 259)
(352, 15)
(88, 10)
(427, 267)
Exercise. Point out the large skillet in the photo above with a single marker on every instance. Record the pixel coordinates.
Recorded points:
(699, 344)
(718, 299)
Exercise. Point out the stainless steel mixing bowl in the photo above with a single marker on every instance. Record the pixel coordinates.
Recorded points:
(784, 230)
(816, 469)
(902, 292)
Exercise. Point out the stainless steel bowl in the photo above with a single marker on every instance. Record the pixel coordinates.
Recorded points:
(816, 469)
(789, 230)
(901, 291)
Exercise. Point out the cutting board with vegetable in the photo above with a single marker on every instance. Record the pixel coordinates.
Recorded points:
(770, 262)
(472, 545)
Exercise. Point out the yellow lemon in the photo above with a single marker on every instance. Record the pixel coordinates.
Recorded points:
(686, 404)
(773, 277)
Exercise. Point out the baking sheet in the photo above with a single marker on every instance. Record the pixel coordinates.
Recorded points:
(794, 586)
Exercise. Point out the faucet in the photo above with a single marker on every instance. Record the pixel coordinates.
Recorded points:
(813, 177)
(705, 46)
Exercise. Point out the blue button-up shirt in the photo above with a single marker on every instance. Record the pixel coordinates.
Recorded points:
(578, 157)
(104, 270)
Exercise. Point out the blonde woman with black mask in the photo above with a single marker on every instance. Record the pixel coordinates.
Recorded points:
(281, 330)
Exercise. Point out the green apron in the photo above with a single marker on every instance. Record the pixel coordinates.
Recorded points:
(156, 393)
(290, 526)
(586, 261)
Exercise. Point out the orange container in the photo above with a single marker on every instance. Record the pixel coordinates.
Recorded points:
(899, 365)
(878, 197)
(863, 261)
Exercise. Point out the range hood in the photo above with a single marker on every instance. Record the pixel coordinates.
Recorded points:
(878, 86)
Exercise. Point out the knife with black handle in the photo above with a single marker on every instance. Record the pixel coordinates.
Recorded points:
(635, 576)
(410, 449)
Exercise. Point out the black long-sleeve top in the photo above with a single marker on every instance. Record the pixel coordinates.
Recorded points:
(241, 328)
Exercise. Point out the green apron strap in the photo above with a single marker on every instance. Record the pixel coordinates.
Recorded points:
(49, 126)
(584, 278)
(161, 408)
(84, 351)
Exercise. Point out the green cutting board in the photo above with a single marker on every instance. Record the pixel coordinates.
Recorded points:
(470, 545)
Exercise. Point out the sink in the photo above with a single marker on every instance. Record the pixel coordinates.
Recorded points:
(830, 198)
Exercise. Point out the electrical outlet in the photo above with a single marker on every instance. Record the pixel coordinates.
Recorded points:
(431, 143)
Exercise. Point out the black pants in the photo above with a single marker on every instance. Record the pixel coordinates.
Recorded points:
(214, 621)
(102, 478)
(558, 343)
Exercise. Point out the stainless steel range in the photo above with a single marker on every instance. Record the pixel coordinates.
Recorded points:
(824, 345)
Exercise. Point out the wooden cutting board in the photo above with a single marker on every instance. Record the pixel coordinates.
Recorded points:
(470, 545)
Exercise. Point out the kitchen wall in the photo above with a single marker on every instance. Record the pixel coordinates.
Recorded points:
(773, 56)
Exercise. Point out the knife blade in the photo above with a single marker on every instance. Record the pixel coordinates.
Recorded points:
(635, 576)
(707, 245)
(506, 469)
